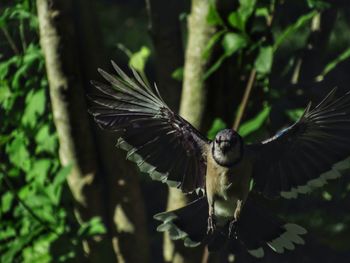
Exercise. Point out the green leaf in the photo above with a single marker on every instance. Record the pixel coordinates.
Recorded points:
(246, 9)
(6, 65)
(7, 233)
(218, 125)
(215, 66)
(178, 74)
(58, 181)
(18, 152)
(211, 43)
(46, 141)
(262, 12)
(295, 114)
(290, 30)
(40, 170)
(235, 20)
(213, 17)
(35, 107)
(62, 175)
(327, 196)
(318, 4)
(255, 123)
(232, 42)
(19, 244)
(263, 62)
(6, 201)
(331, 65)
(5, 94)
(92, 227)
(138, 60)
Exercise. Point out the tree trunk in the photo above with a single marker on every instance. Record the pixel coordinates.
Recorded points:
(57, 38)
(165, 30)
(126, 218)
(191, 106)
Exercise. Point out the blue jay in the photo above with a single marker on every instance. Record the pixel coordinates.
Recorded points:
(169, 149)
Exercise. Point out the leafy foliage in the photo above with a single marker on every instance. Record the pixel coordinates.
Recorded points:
(33, 217)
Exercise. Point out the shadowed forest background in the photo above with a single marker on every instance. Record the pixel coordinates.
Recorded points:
(68, 195)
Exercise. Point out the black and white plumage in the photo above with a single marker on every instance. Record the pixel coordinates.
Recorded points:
(166, 146)
(152, 134)
(308, 153)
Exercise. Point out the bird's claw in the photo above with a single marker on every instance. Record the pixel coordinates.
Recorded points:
(211, 225)
(232, 229)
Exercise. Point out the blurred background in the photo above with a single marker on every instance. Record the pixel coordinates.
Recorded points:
(68, 195)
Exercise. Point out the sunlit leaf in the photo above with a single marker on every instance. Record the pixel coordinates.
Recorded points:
(246, 9)
(211, 43)
(291, 29)
(46, 141)
(263, 62)
(6, 65)
(6, 201)
(215, 66)
(235, 19)
(178, 74)
(255, 123)
(92, 227)
(213, 17)
(57, 183)
(295, 114)
(35, 107)
(138, 60)
(331, 65)
(18, 152)
(6, 96)
(318, 4)
(39, 170)
(232, 42)
(218, 125)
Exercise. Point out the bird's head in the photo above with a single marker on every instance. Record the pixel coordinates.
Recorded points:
(227, 147)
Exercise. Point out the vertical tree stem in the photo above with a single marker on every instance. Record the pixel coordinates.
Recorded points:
(245, 99)
(193, 98)
(10, 40)
(58, 42)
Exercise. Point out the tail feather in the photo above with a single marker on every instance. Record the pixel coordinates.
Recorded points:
(256, 229)
(188, 223)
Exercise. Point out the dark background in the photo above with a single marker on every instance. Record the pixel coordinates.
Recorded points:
(44, 217)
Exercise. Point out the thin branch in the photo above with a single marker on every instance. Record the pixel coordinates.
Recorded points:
(22, 35)
(10, 40)
(245, 99)
(252, 76)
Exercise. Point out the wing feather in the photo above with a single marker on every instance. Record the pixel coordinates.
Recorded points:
(306, 154)
(158, 140)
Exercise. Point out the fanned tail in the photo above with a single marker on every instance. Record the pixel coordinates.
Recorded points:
(256, 229)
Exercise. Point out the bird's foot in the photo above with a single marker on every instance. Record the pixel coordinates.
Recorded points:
(232, 229)
(211, 225)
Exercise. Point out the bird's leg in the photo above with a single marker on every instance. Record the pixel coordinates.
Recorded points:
(211, 219)
(233, 224)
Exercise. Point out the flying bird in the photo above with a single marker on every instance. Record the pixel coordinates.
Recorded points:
(164, 145)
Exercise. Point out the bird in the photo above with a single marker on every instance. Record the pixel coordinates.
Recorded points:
(224, 173)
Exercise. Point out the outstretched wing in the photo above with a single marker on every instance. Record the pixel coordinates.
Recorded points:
(305, 155)
(158, 140)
